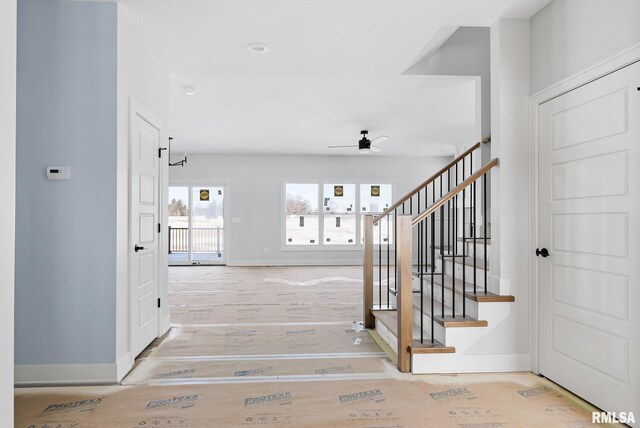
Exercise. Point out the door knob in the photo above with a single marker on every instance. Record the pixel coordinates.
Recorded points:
(542, 252)
(138, 248)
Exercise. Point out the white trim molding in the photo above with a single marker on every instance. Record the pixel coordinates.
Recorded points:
(604, 68)
(65, 374)
(123, 365)
(465, 363)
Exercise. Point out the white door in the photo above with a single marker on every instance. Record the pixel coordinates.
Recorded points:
(144, 233)
(589, 220)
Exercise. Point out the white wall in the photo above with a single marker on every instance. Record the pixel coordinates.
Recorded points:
(143, 78)
(65, 230)
(509, 183)
(254, 194)
(567, 36)
(8, 14)
(464, 53)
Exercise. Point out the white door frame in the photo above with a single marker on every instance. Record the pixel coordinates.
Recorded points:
(613, 64)
(226, 210)
(135, 108)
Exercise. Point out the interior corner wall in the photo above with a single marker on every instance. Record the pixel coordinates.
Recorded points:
(143, 78)
(8, 21)
(568, 36)
(255, 196)
(65, 230)
(510, 182)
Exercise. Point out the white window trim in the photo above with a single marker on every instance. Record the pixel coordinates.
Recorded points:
(321, 246)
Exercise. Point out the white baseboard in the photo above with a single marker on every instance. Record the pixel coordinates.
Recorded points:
(456, 363)
(308, 262)
(123, 365)
(65, 374)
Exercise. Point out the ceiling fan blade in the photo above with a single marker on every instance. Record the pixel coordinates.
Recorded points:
(376, 149)
(380, 139)
(340, 147)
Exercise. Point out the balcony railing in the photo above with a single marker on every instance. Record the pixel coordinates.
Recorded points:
(203, 240)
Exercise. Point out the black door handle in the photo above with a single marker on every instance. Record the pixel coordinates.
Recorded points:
(138, 248)
(544, 252)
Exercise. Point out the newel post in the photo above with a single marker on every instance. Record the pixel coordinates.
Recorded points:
(367, 273)
(404, 297)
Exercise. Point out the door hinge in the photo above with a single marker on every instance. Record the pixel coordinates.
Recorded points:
(159, 227)
(160, 149)
(158, 302)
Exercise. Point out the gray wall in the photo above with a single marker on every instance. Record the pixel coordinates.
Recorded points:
(255, 187)
(66, 231)
(465, 53)
(7, 196)
(568, 36)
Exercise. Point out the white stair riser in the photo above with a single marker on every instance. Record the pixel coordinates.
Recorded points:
(448, 270)
(471, 305)
(476, 250)
(459, 337)
(438, 331)
(387, 335)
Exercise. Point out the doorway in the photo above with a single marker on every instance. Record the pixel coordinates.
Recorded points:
(196, 225)
(588, 212)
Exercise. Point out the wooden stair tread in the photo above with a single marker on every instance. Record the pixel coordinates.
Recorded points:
(459, 321)
(480, 296)
(468, 261)
(430, 348)
(389, 319)
(478, 239)
(395, 292)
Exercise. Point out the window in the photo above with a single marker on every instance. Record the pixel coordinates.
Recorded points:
(339, 202)
(375, 199)
(331, 214)
(301, 214)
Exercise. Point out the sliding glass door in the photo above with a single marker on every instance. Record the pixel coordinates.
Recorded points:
(196, 225)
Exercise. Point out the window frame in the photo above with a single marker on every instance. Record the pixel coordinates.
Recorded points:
(321, 246)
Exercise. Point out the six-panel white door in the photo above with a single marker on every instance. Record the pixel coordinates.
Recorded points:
(589, 220)
(144, 234)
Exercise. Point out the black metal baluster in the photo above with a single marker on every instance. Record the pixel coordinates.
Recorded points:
(395, 251)
(452, 248)
(448, 212)
(464, 250)
(442, 236)
(484, 226)
(380, 264)
(475, 234)
(421, 225)
(388, 253)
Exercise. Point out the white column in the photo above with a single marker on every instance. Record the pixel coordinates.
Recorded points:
(510, 181)
(8, 28)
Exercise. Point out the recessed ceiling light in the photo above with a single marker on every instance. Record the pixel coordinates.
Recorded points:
(190, 90)
(257, 48)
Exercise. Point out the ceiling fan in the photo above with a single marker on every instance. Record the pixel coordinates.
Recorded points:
(365, 145)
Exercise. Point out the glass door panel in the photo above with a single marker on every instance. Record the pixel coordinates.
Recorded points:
(196, 225)
(178, 225)
(207, 224)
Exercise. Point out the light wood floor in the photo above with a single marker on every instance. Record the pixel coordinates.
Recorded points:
(270, 347)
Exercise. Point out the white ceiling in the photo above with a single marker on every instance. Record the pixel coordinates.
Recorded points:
(334, 67)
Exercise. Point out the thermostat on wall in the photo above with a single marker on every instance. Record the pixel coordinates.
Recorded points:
(58, 173)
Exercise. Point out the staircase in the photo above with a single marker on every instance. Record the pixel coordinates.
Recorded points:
(427, 291)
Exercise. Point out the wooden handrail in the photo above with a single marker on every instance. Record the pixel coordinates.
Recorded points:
(473, 177)
(430, 180)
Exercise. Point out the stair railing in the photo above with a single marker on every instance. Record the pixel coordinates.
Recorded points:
(399, 254)
(383, 235)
